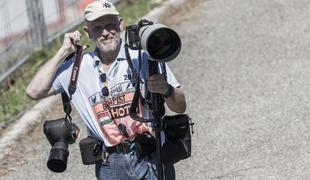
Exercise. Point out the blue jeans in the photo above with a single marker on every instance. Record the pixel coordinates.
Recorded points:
(128, 167)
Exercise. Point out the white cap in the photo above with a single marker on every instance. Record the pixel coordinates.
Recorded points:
(98, 9)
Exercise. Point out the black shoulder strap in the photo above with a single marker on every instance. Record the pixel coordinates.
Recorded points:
(73, 80)
(137, 95)
(164, 71)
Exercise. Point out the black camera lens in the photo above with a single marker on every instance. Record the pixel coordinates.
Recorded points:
(58, 157)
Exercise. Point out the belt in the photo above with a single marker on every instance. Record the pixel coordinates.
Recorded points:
(123, 147)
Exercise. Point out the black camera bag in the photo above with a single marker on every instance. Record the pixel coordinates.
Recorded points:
(178, 138)
(177, 145)
(91, 150)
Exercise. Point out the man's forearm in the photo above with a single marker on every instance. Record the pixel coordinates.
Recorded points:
(176, 102)
(41, 84)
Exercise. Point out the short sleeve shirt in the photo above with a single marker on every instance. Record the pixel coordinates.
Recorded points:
(107, 117)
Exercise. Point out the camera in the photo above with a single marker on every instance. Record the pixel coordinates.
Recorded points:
(159, 42)
(59, 133)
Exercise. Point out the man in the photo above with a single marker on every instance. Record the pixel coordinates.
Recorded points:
(105, 91)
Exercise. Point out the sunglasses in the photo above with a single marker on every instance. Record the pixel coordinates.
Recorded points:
(105, 89)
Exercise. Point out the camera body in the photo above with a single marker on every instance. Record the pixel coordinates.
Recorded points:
(59, 133)
(159, 42)
(133, 34)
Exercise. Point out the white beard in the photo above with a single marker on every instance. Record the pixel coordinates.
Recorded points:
(110, 46)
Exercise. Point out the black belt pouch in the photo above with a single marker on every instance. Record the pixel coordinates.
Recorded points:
(91, 151)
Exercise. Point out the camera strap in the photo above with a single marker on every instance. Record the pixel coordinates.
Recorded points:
(137, 95)
(133, 110)
(73, 80)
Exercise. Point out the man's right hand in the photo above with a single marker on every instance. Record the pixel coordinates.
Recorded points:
(70, 40)
(41, 85)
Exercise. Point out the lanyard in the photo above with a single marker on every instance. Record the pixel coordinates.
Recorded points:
(73, 80)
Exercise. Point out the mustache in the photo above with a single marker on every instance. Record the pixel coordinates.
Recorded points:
(103, 39)
(108, 37)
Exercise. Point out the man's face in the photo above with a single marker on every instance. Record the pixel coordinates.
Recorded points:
(105, 31)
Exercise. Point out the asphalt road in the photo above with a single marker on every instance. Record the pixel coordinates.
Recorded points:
(244, 68)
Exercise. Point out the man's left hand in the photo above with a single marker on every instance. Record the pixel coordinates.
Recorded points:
(157, 84)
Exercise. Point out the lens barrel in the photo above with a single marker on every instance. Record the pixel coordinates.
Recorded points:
(160, 42)
(57, 161)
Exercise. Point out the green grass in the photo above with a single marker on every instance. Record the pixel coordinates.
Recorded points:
(13, 100)
(132, 14)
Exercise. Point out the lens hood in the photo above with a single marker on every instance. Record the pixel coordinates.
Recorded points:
(57, 161)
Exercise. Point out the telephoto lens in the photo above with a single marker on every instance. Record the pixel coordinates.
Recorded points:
(59, 133)
(159, 42)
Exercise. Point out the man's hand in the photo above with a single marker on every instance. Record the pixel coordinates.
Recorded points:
(41, 85)
(157, 84)
(176, 101)
(70, 40)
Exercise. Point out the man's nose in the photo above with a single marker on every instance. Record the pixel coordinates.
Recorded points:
(105, 32)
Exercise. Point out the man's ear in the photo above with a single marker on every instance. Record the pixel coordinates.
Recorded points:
(121, 24)
(86, 31)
